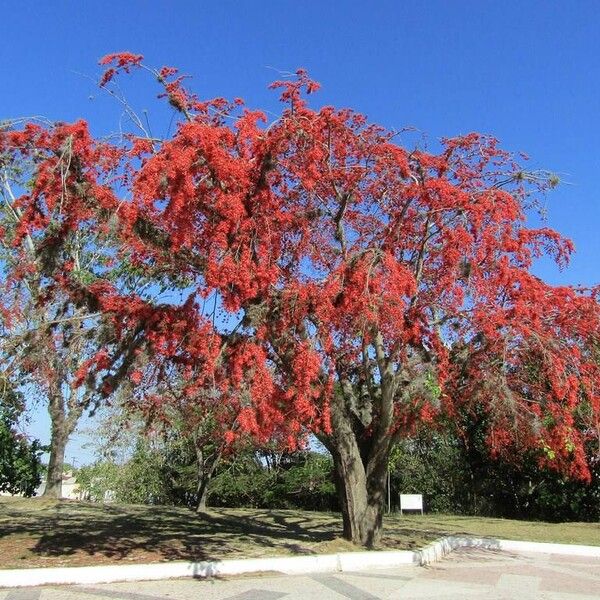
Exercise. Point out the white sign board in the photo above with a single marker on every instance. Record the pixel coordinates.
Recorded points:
(411, 502)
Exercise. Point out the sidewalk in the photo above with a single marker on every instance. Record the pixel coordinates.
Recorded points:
(466, 573)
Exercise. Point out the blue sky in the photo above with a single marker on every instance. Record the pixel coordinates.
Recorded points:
(526, 72)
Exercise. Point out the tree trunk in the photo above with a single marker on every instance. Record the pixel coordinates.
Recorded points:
(58, 443)
(207, 463)
(360, 458)
(360, 478)
(62, 427)
(202, 494)
(361, 496)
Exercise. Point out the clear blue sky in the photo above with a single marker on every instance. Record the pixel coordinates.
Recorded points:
(526, 72)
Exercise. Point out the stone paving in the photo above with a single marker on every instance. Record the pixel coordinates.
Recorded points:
(464, 574)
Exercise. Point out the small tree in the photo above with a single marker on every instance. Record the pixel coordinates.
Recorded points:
(199, 416)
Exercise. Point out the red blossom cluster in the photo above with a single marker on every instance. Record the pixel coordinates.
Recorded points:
(122, 61)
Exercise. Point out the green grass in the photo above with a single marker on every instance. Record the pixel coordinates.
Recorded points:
(38, 532)
(509, 529)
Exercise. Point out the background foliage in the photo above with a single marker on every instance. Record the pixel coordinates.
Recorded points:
(20, 458)
(455, 474)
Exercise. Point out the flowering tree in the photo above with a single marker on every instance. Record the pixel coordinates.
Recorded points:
(60, 272)
(203, 418)
(362, 287)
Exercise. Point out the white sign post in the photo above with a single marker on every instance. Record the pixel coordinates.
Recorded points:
(411, 502)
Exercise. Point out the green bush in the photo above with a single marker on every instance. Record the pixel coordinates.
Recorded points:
(20, 459)
(430, 464)
(140, 480)
(303, 480)
(457, 474)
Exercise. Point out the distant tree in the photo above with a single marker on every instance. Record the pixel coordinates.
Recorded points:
(430, 462)
(139, 479)
(456, 471)
(99, 480)
(302, 480)
(199, 427)
(526, 485)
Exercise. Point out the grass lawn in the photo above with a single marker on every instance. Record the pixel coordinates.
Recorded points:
(42, 533)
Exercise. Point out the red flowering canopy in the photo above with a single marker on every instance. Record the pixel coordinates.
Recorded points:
(349, 257)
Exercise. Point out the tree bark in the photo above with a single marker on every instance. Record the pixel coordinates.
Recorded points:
(361, 492)
(207, 463)
(58, 443)
(360, 467)
(62, 427)
(202, 494)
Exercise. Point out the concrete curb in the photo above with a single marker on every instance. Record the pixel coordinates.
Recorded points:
(323, 563)
(444, 546)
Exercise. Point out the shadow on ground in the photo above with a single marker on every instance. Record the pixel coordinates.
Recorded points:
(74, 530)
(37, 532)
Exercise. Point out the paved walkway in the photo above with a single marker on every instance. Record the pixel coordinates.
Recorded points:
(464, 574)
